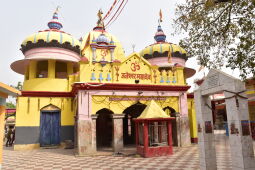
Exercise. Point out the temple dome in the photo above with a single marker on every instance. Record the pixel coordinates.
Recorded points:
(50, 44)
(102, 39)
(165, 54)
(52, 37)
(161, 48)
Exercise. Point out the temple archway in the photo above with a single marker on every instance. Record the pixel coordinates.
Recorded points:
(131, 112)
(172, 113)
(104, 128)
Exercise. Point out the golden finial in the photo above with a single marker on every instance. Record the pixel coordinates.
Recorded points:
(100, 22)
(57, 9)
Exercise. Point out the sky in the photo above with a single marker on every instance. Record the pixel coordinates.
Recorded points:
(136, 25)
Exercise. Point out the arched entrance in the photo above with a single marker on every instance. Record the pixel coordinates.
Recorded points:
(50, 126)
(171, 112)
(131, 112)
(104, 128)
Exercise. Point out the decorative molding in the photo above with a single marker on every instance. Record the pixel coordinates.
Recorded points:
(118, 86)
(45, 94)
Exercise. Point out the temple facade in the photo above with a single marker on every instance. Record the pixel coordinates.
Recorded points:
(88, 91)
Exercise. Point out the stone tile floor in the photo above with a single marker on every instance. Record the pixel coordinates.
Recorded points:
(185, 158)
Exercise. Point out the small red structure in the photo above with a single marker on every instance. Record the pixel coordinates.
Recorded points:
(154, 132)
(154, 136)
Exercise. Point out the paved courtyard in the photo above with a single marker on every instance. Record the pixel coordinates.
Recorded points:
(185, 158)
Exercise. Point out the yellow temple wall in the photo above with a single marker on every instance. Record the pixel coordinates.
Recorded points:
(28, 110)
(50, 83)
(192, 118)
(46, 84)
(117, 107)
(132, 68)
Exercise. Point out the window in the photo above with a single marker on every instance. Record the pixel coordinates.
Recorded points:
(158, 134)
(61, 70)
(42, 69)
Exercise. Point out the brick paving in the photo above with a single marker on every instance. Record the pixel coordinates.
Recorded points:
(185, 158)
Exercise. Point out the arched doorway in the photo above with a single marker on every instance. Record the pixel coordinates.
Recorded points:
(50, 126)
(104, 128)
(131, 112)
(171, 112)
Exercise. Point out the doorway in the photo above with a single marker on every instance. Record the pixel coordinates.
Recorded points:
(172, 113)
(50, 128)
(104, 128)
(131, 112)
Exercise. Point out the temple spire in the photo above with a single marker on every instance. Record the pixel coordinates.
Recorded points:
(54, 23)
(160, 36)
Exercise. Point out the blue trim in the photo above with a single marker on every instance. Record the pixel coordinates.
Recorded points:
(48, 37)
(151, 51)
(108, 77)
(168, 80)
(100, 77)
(72, 41)
(174, 81)
(61, 38)
(35, 37)
(162, 80)
(93, 76)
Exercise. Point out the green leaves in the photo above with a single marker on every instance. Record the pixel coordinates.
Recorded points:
(220, 33)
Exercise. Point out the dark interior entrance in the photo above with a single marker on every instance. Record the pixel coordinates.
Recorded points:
(104, 128)
(171, 112)
(131, 112)
(50, 127)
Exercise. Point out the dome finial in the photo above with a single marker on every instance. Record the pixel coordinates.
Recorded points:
(54, 24)
(160, 36)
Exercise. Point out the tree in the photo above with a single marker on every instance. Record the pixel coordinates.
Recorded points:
(10, 105)
(220, 33)
(18, 86)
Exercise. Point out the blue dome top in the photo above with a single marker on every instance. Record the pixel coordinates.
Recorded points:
(160, 36)
(54, 24)
(102, 39)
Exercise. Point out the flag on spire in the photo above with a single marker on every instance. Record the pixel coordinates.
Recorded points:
(160, 15)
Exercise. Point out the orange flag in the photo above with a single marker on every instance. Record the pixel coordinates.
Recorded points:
(160, 15)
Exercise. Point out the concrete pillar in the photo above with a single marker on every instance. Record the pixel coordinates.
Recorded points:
(183, 127)
(94, 135)
(242, 154)
(117, 132)
(2, 115)
(207, 153)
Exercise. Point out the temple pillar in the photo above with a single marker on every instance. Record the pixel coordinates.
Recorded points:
(51, 68)
(117, 143)
(85, 126)
(182, 121)
(94, 136)
(32, 69)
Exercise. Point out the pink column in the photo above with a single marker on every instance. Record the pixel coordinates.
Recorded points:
(183, 123)
(86, 140)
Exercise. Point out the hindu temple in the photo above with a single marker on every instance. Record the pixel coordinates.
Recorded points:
(89, 91)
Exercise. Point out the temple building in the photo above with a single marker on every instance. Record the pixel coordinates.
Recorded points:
(89, 91)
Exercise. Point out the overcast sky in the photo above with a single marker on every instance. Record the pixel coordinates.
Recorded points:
(137, 25)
